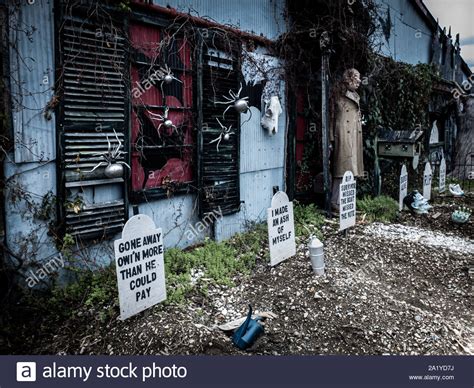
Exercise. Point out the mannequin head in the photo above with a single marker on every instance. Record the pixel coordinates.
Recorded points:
(351, 79)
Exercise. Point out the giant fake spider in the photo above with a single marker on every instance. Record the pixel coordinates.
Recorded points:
(114, 168)
(168, 76)
(165, 121)
(225, 134)
(240, 104)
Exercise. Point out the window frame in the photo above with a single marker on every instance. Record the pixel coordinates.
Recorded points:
(157, 193)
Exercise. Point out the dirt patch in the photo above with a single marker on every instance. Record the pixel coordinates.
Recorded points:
(380, 295)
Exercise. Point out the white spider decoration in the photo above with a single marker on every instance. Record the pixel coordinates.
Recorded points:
(165, 121)
(240, 104)
(225, 134)
(114, 168)
(168, 76)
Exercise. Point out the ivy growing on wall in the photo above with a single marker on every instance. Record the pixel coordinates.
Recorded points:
(398, 94)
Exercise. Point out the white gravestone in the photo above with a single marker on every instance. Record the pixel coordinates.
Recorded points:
(281, 229)
(403, 187)
(442, 176)
(347, 198)
(140, 266)
(427, 178)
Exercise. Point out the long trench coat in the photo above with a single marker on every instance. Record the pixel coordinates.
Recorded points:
(346, 133)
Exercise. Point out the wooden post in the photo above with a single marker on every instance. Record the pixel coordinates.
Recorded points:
(324, 45)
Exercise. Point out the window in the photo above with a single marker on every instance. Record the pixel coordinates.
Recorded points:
(162, 143)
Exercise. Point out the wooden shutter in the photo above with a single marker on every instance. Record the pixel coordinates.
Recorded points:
(94, 104)
(218, 71)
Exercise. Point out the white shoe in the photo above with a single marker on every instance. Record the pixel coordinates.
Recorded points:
(456, 190)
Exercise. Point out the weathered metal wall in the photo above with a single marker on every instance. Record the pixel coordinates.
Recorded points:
(260, 17)
(32, 80)
(262, 155)
(30, 172)
(410, 36)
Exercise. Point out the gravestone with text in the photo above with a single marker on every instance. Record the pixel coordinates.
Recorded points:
(281, 229)
(442, 176)
(347, 198)
(140, 266)
(403, 187)
(427, 178)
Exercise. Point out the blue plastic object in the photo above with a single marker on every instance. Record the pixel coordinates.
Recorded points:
(248, 332)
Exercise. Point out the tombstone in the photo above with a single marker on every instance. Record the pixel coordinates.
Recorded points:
(281, 229)
(347, 198)
(403, 187)
(140, 266)
(442, 176)
(427, 177)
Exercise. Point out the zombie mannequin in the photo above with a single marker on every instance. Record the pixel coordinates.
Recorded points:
(346, 132)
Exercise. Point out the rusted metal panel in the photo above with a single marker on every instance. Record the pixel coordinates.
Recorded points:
(32, 80)
(262, 17)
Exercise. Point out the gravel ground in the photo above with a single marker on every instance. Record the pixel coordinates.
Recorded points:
(388, 289)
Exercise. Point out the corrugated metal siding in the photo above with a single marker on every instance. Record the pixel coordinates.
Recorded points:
(177, 217)
(260, 17)
(260, 151)
(26, 235)
(32, 80)
(411, 37)
(256, 191)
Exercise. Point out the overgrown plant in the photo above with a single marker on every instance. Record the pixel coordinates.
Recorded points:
(381, 208)
(398, 94)
(308, 221)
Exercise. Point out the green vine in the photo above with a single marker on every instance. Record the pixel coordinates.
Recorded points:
(398, 95)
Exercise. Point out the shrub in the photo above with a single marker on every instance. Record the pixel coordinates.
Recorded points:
(380, 208)
(308, 221)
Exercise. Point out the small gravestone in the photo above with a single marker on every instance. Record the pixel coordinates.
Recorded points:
(347, 198)
(442, 176)
(140, 266)
(403, 187)
(281, 229)
(427, 177)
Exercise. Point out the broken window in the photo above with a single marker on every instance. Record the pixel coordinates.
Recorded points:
(162, 141)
